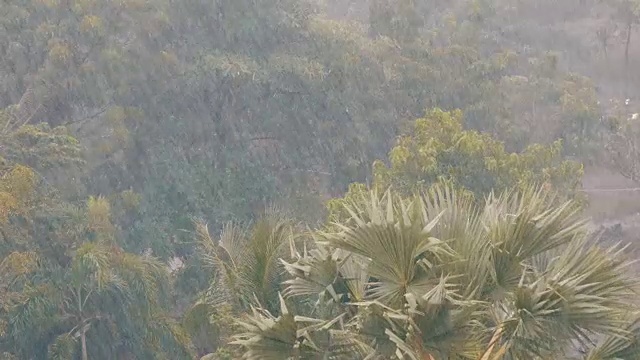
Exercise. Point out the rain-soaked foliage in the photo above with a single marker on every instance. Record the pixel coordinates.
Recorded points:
(351, 179)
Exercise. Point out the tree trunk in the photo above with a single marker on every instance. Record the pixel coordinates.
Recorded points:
(626, 57)
(83, 343)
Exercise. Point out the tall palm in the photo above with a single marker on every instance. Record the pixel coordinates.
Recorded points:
(106, 304)
(437, 277)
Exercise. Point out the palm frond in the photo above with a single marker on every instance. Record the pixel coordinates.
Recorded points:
(437, 276)
(526, 223)
(579, 296)
(147, 277)
(63, 348)
(16, 264)
(397, 244)
(261, 271)
(355, 275)
(615, 347)
(224, 252)
(268, 337)
(247, 263)
(459, 215)
(290, 336)
(314, 273)
(91, 261)
(173, 338)
(594, 286)
(461, 227)
(520, 226)
(223, 257)
(328, 274)
(34, 315)
(197, 316)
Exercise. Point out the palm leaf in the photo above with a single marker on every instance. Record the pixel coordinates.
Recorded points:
(261, 271)
(295, 337)
(395, 242)
(63, 348)
(315, 273)
(619, 347)
(91, 261)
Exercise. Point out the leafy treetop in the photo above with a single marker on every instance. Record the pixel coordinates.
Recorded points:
(439, 149)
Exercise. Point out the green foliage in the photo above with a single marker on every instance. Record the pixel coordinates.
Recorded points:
(268, 337)
(245, 268)
(63, 348)
(622, 146)
(246, 263)
(396, 19)
(62, 294)
(438, 276)
(439, 149)
(187, 103)
(41, 147)
(120, 120)
(546, 106)
(112, 300)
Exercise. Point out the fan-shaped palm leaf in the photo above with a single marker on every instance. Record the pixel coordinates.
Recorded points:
(582, 292)
(397, 245)
(293, 337)
(619, 347)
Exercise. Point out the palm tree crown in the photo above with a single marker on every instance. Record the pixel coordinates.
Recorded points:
(438, 277)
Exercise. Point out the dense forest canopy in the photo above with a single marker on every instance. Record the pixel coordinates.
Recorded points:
(350, 178)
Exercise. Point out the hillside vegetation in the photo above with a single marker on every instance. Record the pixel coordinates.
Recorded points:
(315, 179)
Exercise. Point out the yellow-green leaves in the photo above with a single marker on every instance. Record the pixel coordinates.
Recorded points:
(438, 149)
(130, 199)
(91, 23)
(59, 52)
(16, 191)
(99, 214)
(18, 264)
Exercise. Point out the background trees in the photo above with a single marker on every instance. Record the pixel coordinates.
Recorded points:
(120, 121)
(69, 289)
(439, 150)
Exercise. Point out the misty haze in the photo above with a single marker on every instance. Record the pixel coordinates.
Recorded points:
(319, 179)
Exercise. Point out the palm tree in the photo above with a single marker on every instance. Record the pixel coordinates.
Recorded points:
(106, 304)
(439, 277)
(246, 269)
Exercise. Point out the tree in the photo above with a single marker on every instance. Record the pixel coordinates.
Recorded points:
(68, 289)
(628, 11)
(399, 20)
(546, 106)
(436, 276)
(246, 268)
(186, 103)
(622, 148)
(96, 301)
(119, 120)
(439, 149)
